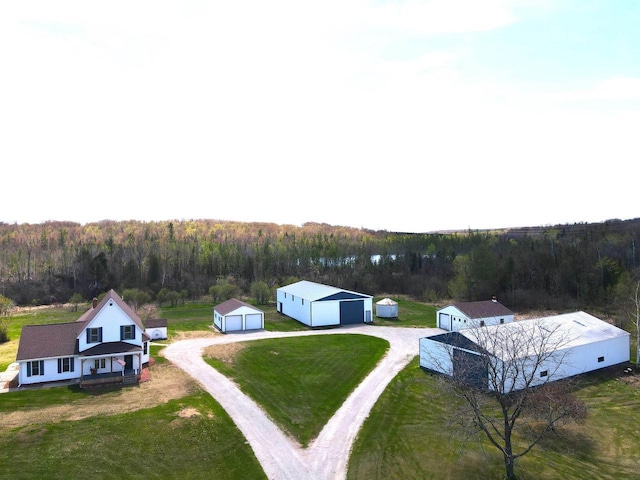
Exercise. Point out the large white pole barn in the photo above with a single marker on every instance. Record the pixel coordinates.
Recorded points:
(318, 305)
(586, 344)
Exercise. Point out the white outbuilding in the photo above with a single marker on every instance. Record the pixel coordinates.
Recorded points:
(318, 305)
(156, 328)
(387, 308)
(578, 343)
(458, 316)
(234, 315)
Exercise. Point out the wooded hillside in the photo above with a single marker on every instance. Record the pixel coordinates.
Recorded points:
(559, 267)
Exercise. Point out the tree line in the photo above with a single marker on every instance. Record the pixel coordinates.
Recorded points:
(555, 267)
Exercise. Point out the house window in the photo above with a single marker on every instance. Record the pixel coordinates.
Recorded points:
(482, 323)
(35, 368)
(65, 364)
(600, 359)
(303, 301)
(501, 320)
(94, 335)
(127, 332)
(544, 373)
(145, 348)
(99, 363)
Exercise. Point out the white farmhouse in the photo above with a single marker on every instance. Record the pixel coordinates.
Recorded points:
(107, 344)
(579, 343)
(458, 316)
(318, 305)
(234, 315)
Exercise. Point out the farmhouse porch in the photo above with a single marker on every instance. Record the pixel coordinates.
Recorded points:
(111, 370)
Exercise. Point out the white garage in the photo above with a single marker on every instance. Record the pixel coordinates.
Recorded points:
(459, 316)
(234, 315)
(318, 305)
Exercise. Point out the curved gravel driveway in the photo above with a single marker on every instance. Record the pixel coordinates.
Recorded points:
(281, 457)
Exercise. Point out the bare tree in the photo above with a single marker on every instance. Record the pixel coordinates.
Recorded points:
(628, 299)
(503, 374)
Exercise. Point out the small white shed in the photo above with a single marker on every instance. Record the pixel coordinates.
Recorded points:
(156, 328)
(318, 305)
(234, 315)
(387, 308)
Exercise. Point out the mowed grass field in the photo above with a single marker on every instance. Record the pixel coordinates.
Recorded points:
(301, 381)
(409, 435)
(168, 428)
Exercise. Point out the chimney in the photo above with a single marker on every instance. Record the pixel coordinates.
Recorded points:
(95, 302)
(494, 299)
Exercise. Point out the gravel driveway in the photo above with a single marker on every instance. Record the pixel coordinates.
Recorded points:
(281, 457)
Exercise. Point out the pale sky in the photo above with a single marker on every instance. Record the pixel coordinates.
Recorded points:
(390, 115)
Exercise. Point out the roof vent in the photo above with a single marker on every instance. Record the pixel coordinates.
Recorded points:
(494, 299)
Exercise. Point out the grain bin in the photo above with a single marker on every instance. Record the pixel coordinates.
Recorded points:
(386, 308)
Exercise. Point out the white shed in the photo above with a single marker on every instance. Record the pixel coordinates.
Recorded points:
(318, 305)
(458, 316)
(156, 328)
(234, 315)
(584, 343)
(387, 308)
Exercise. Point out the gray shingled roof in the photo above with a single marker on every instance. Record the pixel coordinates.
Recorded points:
(60, 339)
(232, 304)
(155, 323)
(483, 309)
(46, 341)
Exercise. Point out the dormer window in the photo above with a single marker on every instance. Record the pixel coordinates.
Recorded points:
(127, 332)
(94, 335)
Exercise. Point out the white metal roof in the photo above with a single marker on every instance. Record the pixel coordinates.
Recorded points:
(313, 291)
(386, 301)
(567, 330)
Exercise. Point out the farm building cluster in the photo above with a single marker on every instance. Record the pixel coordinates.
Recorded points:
(483, 338)
(110, 343)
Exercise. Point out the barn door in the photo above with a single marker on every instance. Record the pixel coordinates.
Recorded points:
(469, 368)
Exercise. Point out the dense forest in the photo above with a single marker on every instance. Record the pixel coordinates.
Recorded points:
(557, 267)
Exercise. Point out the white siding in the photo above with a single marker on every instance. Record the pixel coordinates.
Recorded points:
(110, 318)
(325, 313)
(50, 372)
(435, 356)
(295, 307)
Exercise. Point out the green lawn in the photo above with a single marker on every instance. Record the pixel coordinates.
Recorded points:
(407, 435)
(154, 443)
(301, 382)
(410, 314)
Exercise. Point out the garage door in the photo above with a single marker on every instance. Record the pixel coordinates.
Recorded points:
(253, 321)
(470, 369)
(233, 323)
(351, 312)
(444, 321)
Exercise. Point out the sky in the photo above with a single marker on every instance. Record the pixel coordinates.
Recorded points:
(412, 116)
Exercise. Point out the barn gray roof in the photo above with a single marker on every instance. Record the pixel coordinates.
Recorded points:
(46, 341)
(155, 323)
(232, 304)
(483, 309)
